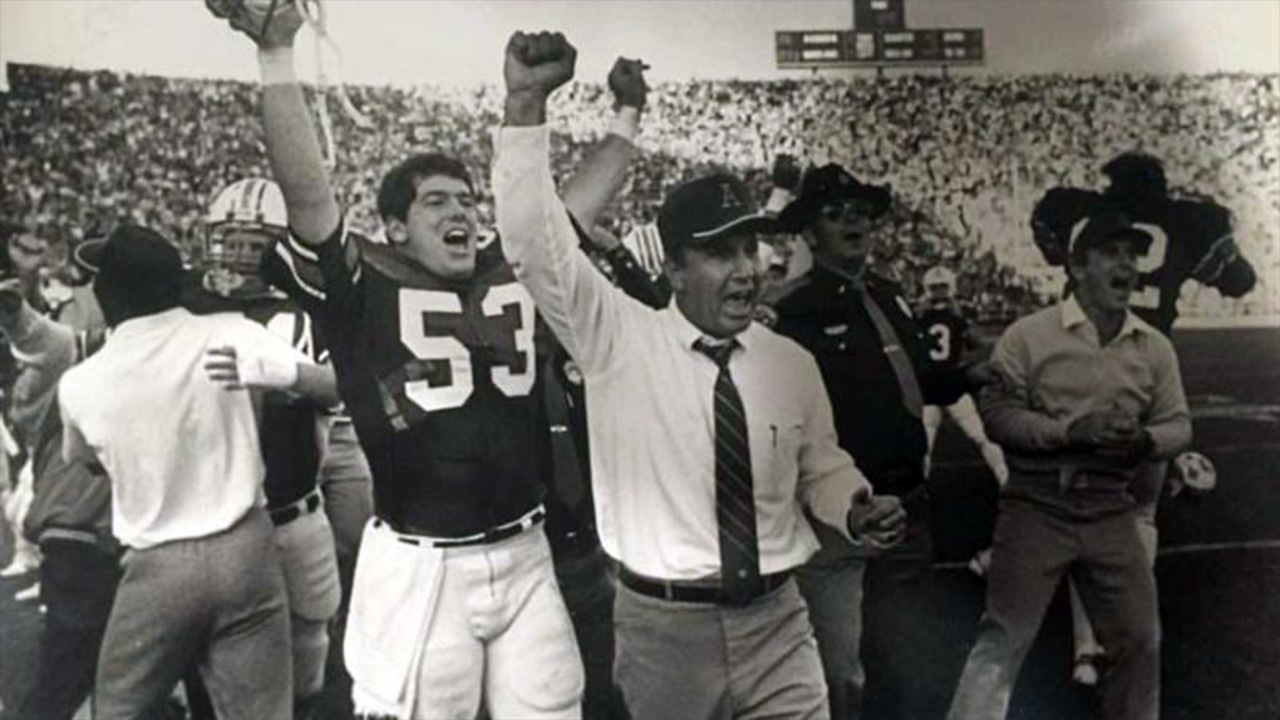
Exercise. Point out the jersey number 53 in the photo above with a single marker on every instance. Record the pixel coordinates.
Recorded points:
(511, 381)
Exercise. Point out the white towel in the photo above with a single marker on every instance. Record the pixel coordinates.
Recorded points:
(393, 599)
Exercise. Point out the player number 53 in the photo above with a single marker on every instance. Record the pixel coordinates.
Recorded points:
(415, 303)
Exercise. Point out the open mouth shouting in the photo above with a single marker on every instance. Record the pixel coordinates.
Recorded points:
(740, 302)
(457, 238)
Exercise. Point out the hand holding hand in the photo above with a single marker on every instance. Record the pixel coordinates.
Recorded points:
(1099, 427)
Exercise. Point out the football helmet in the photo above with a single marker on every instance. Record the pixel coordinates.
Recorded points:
(1192, 473)
(1136, 176)
(939, 284)
(244, 219)
(254, 17)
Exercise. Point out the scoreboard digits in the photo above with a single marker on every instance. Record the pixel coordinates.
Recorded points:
(879, 47)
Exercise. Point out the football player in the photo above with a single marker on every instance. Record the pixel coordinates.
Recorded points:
(434, 344)
(243, 220)
(948, 333)
(1192, 236)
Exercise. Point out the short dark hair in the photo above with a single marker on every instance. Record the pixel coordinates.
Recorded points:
(399, 185)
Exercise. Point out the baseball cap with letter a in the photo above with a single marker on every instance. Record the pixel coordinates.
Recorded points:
(701, 211)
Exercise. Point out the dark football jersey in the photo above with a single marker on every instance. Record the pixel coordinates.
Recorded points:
(947, 333)
(439, 377)
(1184, 233)
(287, 425)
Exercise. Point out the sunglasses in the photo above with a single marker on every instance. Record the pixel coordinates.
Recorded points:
(841, 210)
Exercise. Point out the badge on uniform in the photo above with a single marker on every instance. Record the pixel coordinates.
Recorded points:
(836, 330)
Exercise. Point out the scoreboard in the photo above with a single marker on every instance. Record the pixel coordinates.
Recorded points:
(879, 15)
(879, 47)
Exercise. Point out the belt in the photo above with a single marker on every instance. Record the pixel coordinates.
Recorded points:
(487, 537)
(282, 516)
(679, 591)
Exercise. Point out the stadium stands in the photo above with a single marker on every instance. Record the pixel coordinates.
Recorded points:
(967, 156)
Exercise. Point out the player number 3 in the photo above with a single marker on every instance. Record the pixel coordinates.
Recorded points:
(415, 303)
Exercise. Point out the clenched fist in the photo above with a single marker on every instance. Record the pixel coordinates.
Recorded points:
(626, 82)
(538, 63)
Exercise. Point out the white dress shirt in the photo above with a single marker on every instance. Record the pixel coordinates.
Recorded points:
(181, 451)
(649, 399)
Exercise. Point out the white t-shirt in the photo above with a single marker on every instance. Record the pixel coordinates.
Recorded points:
(182, 452)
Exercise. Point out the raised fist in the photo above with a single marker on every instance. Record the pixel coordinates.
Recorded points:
(786, 172)
(538, 63)
(626, 81)
(269, 23)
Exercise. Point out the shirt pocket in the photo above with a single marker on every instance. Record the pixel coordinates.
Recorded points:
(785, 439)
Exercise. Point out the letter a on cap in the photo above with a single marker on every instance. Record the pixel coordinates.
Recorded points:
(728, 200)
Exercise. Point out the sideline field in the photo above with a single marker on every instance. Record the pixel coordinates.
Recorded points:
(1219, 568)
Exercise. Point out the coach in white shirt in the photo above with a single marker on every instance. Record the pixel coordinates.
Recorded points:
(202, 584)
(710, 435)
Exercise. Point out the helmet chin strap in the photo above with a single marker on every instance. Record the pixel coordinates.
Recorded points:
(251, 291)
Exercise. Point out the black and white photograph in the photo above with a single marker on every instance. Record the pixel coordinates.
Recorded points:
(640, 359)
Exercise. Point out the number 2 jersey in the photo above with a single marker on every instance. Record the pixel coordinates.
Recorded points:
(1185, 234)
(438, 376)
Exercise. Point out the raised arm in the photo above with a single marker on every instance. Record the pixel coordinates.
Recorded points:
(293, 147)
(596, 182)
(538, 238)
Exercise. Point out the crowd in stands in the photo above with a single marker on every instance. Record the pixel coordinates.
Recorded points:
(967, 156)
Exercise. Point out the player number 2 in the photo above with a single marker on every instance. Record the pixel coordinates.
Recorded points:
(1148, 296)
(415, 303)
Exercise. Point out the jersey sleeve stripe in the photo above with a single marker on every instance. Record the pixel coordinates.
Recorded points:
(298, 269)
(301, 250)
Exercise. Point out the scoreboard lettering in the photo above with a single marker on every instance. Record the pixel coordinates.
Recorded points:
(853, 48)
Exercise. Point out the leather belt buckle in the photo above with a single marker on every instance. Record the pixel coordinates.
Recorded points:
(497, 534)
(287, 514)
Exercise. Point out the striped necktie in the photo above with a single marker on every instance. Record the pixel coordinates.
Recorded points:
(735, 497)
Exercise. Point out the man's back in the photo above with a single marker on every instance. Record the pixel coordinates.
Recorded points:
(182, 451)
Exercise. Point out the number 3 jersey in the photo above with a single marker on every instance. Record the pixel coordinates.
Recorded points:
(947, 333)
(438, 376)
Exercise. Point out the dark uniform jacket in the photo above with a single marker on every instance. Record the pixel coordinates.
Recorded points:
(827, 317)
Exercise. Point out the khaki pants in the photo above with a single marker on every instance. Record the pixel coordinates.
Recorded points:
(1033, 548)
(217, 602)
(709, 662)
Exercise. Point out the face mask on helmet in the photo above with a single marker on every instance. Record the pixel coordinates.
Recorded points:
(243, 221)
(940, 284)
